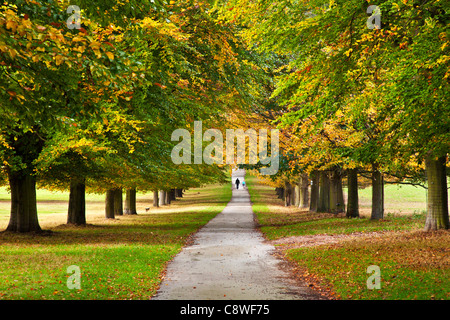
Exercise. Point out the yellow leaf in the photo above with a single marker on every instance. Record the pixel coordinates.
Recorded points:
(59, 59)
(110, 55)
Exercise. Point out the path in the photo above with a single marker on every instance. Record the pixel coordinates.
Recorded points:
(229, 259)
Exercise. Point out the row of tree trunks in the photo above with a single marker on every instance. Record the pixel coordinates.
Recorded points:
(326, 196)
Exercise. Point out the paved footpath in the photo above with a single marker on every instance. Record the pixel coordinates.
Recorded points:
(229, 259)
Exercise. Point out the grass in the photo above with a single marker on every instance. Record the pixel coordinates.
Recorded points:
(413, 264)
(124, 258)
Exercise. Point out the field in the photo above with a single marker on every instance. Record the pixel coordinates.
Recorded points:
(122, 258)
(332, 253)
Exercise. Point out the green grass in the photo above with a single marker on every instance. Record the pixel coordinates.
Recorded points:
(118, 259)
(413, 264)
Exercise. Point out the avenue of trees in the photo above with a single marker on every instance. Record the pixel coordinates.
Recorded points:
(91, 108)
(360, 91)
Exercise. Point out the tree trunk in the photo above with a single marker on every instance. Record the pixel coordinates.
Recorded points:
(280, 192)
(77, 203)
(162, 198)
(377, 194)
(172, 195)
(288, 194)
(437, 208)
(130, 201)
(303, 192)
(109, 204)
(168, 198)
(352, 200)
(118, 202)
(314, 192)
(179, 193)
(23, 203)
(155, 198)
(296, 194)
(336, 193)
(324, 192)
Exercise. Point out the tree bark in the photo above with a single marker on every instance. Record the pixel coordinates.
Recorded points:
(437, 198)
(288, 194)
(109, 204)
(155, 198)
(118, 202)
(314, 192)
(303, 192)
(23, 203)
(352, 200)
(168, 198)
(336, 193)
(130, 201)
(296, 196)
(280, 192)
(162, 197)
(77, 203)
(377, 194)
(172, 195)
(324, 192)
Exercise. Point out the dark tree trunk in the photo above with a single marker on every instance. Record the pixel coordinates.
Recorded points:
(352, 200)
(179, 193)
(22, 182)
(288, 194)
(336, 193)
(155, 198)
(280, 192)
(109, 204)
(168, 199)
(437, 207)
(130, 201)
(172, 195)
(118, 202)
(377, 194)
(324, 192)
(313, 203)
(23, 203)
(77, 203)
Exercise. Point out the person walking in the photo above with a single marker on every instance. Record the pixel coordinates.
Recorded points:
(243, 184)
(237, 183)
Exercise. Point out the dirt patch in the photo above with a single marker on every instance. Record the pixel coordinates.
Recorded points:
(321, 239)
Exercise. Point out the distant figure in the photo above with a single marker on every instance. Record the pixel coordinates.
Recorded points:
(243, 184)
(237, 183)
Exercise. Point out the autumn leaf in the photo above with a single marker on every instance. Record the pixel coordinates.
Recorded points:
(110, 55)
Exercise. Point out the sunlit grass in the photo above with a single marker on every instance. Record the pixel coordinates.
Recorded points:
(122, 258)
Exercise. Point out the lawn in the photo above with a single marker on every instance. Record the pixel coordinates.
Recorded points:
(413, 264)
(124, 258)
